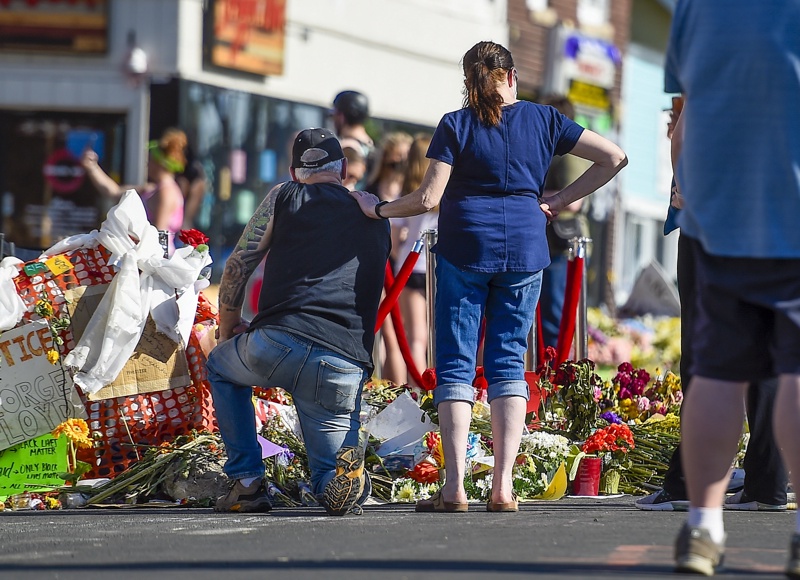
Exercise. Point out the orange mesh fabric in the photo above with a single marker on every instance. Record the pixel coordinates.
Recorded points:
(122, 423)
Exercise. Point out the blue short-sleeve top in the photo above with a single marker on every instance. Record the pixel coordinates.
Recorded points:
(489, 218)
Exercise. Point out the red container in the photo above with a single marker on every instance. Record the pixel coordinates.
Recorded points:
(587, 480)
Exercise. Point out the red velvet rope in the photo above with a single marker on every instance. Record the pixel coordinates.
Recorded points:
(569, 313)
(394, 286)
(402, 341)
(540, 345)
(389, 305)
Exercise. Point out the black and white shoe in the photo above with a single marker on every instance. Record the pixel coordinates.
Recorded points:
(661, 501)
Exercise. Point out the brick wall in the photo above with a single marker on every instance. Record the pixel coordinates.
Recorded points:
(529, 37)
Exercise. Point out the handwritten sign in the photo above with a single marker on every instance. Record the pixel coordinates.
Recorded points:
(59, 264)
(33, 465)
(35, 396)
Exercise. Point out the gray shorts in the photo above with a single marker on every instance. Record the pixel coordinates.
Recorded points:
(747, 323)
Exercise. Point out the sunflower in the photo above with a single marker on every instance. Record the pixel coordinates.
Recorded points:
(76, 431)
(52, 356)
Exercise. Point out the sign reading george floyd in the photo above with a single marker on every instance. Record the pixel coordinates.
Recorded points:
(35, 396)
(77, 26)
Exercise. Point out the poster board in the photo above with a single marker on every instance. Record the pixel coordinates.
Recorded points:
(33, 465)
(157, 364)
(246, 35)
(35, 396)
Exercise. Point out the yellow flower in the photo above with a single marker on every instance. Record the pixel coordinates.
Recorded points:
(44, 309)
(76, 431)
(52, 356)
(52, 503)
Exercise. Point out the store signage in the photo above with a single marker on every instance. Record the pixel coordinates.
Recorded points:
(247, 35)
(591, 60)
(54, 25)
(581, 93)
(64, 172)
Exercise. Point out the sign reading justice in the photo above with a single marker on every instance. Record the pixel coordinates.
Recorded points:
(35, 396)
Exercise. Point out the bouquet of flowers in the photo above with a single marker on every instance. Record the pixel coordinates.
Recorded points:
(613, 442)
(572, 392)
(541, 456)
(632, 397)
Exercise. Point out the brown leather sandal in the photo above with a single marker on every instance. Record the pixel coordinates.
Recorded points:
(437, 504)
(511, 506)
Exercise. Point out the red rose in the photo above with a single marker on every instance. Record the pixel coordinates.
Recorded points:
(429, 379)
(193, 238)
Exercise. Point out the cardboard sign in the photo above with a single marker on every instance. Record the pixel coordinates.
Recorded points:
(35, 396)
(33, 465)
(157, 364)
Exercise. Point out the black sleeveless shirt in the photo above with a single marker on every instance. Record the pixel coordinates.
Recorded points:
(324, 272)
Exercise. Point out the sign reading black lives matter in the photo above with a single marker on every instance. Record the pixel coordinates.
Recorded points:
(35, 396)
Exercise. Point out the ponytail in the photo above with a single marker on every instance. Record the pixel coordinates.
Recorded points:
(485, 65)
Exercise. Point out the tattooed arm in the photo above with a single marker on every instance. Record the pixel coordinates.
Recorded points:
(251, 248)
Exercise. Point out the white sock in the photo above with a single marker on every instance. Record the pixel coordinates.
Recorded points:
(248, 481)
(708, 519)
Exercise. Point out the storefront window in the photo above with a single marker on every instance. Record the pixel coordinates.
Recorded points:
(45, 193)
(243, 143)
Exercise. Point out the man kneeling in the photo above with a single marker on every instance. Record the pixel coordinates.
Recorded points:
(314, 331)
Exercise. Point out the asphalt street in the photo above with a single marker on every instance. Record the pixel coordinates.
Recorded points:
(569, 538)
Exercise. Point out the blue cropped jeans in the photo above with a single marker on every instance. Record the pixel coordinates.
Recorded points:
(325, 386)
(463, 298)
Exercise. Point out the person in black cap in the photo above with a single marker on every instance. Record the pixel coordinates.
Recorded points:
(314, 330)
(349, 113)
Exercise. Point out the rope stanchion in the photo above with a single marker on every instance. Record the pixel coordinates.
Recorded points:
(396, 285)
(569, 312)
(402, 342)
(389, 306)
(540, 345)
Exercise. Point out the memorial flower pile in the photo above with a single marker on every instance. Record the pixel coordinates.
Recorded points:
(634, 396)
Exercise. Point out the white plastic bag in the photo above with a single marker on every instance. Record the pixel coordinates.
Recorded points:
(11, 305)
(147, 283)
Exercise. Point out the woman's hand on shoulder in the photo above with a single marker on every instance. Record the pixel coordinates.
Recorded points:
(367, 202)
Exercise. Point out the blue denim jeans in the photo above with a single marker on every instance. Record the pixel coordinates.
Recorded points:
(508, 302)
(325, 386)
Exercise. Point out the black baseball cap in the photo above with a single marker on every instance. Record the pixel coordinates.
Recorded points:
(353, 105)
(314, 148)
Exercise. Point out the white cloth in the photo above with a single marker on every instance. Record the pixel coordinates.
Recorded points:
(11, 305)
(146, 283)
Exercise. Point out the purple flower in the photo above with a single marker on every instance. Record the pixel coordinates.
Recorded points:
(611, 417)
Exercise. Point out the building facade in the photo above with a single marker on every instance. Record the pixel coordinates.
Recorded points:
(576, 48)
(645, 184)
(239, 76)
